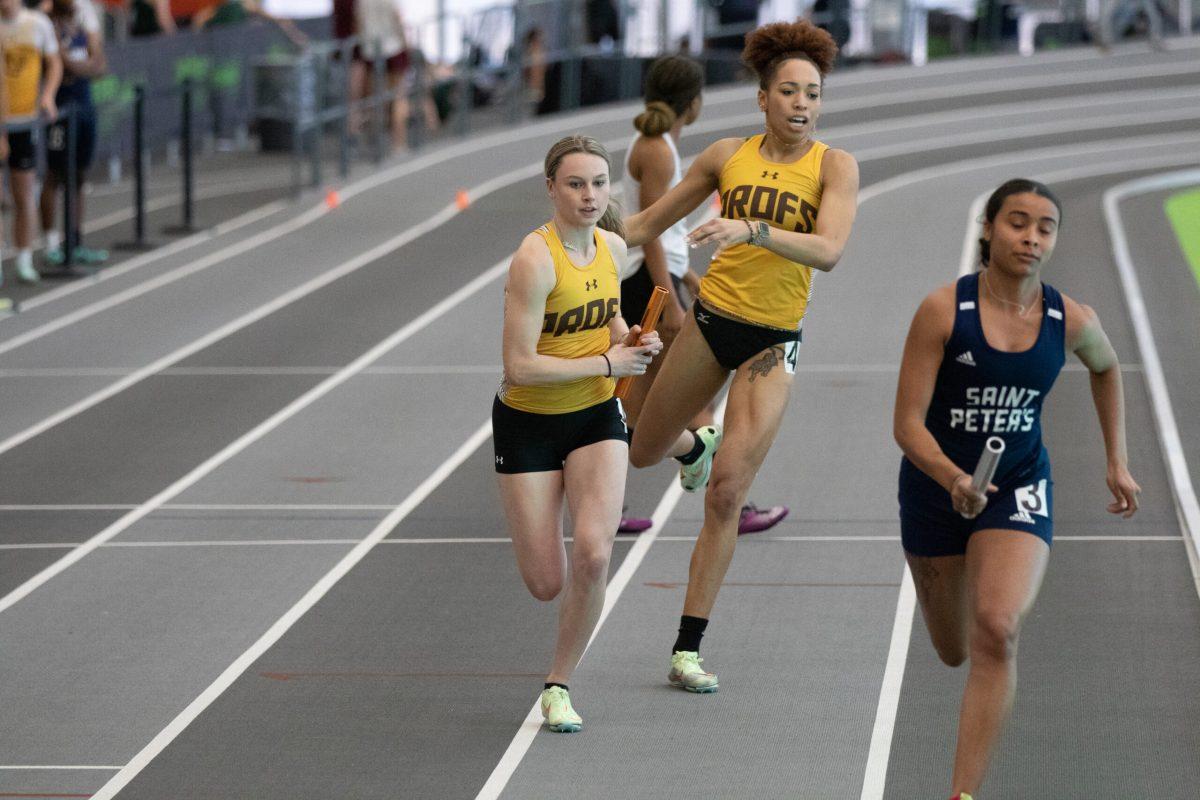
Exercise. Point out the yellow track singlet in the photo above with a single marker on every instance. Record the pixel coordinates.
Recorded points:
(578, 310)
(752, 283)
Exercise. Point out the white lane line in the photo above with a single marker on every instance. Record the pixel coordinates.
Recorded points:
(58, 767)
(889, 692)
(439, 369)
(171, 276)
(1164, 412)
(432, 159)
(1187, 143)
(57, 507)
(281, 626)
(533, 720)
(881, 738)
(891, 97)
(414, 232)
(174, 199)
(260, 430)
(734, 95)
(158, 500)
(621, 537)
(247, 319)
(532, 723)
(217, 231)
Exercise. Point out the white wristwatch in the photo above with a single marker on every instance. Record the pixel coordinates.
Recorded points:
(760, 232)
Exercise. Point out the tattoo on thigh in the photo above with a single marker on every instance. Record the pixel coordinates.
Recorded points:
(772, 357)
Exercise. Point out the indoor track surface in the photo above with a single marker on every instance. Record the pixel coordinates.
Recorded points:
(252, 543)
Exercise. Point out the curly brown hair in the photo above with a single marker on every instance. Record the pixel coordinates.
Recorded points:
(769, 46)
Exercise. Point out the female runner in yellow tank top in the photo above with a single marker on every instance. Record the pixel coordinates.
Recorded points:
(747, 319)
(559, 432)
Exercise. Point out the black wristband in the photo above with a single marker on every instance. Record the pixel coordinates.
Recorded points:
(608, 364)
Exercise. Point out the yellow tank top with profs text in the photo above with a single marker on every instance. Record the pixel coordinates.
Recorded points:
(753, 283)
(575, 325)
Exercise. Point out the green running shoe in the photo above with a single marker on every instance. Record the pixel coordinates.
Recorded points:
(686, 673)
(557, 711)
(694, 476)
(90, 255)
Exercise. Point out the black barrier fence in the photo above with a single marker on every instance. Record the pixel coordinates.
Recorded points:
(216, 62)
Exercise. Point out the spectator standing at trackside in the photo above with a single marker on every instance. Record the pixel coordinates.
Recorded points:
(32, 72)
(381, 36)
(77, 29)
(5, 303)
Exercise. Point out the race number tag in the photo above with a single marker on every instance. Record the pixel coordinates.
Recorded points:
(791, 352)
(1032, 499)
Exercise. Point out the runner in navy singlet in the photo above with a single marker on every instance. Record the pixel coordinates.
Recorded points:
(981, 356)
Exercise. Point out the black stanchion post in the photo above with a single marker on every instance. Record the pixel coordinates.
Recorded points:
(344, 65)
(319, 86)
(379, 105)
(70, 201)
(139, 173)
(188, 147)
(297, 132)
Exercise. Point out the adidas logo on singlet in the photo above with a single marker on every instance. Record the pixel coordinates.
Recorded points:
(966, 358)
(1022, 516)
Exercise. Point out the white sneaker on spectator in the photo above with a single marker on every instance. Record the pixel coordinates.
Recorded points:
(25, 271)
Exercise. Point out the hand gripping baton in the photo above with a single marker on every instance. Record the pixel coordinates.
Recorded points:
(654, 309)
(985, 470)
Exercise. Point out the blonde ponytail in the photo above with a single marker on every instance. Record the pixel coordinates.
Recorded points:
(611, 220)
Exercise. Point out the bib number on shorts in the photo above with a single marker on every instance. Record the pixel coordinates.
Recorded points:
(791, 352)
(1032, 499)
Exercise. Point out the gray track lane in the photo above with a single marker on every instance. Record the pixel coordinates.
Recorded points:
(509, 229)
(156, 779)
(1109, 660)
(1173, 296)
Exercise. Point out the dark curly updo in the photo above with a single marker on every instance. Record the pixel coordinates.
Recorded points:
(769, 46)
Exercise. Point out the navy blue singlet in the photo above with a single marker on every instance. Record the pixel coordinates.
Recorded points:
(982, 392)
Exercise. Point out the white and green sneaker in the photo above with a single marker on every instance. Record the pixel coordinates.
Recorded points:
(694, 476)
(686, 673)
(557, 711)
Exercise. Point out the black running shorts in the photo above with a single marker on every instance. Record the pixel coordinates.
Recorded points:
(734, 342)
(528, 442)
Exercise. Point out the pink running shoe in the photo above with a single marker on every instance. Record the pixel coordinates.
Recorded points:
(755, 519)
(635, 524)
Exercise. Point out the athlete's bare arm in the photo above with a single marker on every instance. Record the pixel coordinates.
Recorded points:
(3, 113)
(653, 165)
(700, 181)
(821, 249)
(530, 281)
(1086, 338)
(52, 72)
(927, 336)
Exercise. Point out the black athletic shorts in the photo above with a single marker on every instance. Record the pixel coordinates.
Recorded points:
(85, 142)
(734, 342)
(635, 294)
(21, 153)
(528, 442)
